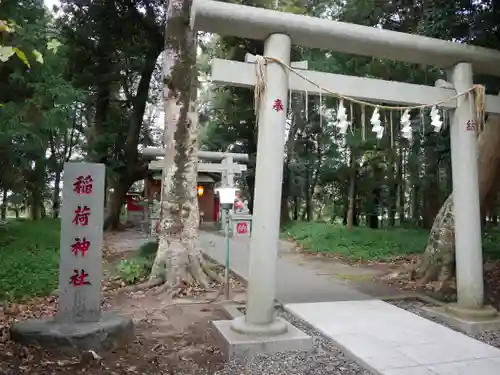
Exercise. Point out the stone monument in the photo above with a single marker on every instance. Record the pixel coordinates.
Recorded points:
(79, 323)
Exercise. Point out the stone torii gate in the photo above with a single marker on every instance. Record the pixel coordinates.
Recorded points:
(227, 166)
(281, 30)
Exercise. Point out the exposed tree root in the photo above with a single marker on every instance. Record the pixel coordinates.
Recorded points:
(172, 291)
(151, 283)
(208, 269)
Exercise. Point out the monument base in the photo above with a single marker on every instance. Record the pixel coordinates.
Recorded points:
(469, 321)
(109, 332)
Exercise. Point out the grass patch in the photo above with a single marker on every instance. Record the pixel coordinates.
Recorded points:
(29, 258)
(491, 244)
(371, 244)
(138, 267)
(359, 244)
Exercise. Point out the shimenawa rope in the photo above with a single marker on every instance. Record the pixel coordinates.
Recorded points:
(260, 86)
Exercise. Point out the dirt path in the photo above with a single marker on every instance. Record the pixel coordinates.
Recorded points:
(169, 339)
(118, 244)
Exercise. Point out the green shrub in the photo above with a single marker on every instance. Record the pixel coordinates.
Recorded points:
(29, 258)
(137, 268)
(148, 250)
(133, 270)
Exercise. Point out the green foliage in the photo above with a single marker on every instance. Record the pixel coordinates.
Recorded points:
(132, 270)
(371, 244)
(29, 258)
(137, 268)
(148, 250)
(360, 243)
(491, 244)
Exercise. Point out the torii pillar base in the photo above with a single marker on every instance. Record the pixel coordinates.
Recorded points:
(469, 321)
(280, 337)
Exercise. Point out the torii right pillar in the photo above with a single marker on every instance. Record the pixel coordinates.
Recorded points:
(469, 313)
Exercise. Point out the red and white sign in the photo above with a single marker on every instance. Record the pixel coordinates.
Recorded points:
(243, 228)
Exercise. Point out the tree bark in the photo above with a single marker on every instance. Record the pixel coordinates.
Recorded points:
(112, 221)
(414, 166)
(401, 187)
(56, 202)
(296, 204)
(179, 259)
(431, 183)
(3, 215)
(438, 261)
(352, 191)
(372, 220)
(393, 189)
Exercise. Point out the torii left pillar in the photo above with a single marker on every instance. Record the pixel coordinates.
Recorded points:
(260, 330)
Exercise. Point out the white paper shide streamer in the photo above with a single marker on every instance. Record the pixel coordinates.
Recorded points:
(342, 123)
(436, 119)
(406, 129)
(377, 128)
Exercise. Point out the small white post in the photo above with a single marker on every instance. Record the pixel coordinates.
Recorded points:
(264, 242)
(469, 256)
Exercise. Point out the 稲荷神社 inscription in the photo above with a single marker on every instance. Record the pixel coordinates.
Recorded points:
(81, 242)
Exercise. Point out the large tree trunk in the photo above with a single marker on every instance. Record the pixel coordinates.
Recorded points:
(431, 183)
(56, 201)
(415, 183)
(121, 187)
(352, 191)
(179, 260)
(3, 214)
(438, 262)
(401, 187)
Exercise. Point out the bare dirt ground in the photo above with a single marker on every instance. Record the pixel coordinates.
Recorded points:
(169, 339)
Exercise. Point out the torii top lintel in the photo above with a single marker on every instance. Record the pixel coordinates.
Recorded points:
(258, 23)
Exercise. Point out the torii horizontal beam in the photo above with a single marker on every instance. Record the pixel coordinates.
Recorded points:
(258, 23)
(205, 155)
(205, 167)
(234, 73)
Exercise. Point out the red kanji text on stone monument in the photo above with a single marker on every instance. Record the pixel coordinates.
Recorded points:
(81, 245)
(278, 105)
(79, 278)
(81, 216)
(83, 185)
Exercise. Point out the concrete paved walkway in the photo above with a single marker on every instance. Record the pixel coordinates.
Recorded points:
(388, 340)
(294, 283)
(381, 337)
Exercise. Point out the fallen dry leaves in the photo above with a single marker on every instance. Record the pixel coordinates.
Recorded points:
(168, 340)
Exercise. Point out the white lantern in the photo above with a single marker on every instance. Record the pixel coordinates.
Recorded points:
(227, 195)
